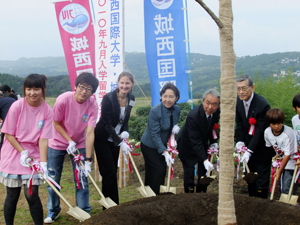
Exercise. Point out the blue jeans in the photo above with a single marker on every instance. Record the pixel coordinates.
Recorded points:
(55, 167)
(287, 176)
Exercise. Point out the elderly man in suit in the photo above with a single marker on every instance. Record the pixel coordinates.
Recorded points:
(195, 137)
(251, 109)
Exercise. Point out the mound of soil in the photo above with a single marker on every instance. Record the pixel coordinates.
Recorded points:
(196, 209)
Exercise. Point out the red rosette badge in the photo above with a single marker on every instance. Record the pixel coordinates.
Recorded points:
(252, 122)
(214, 130)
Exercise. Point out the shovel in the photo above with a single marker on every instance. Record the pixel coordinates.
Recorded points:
(290, 199)
(104, 201)
(206, 180)
(167, 188)
(146, 191)
(76, 212)
(250, 177)
(274, 186)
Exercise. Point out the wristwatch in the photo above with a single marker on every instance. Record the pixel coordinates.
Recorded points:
(89, 159)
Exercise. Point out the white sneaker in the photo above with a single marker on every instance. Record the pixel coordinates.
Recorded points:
(51, 218)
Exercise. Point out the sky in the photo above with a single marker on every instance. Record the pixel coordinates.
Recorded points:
(28, 28)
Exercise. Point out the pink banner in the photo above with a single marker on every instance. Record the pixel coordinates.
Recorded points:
(77, 35)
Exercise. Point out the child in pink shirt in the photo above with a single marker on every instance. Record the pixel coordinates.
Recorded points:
(27, 128)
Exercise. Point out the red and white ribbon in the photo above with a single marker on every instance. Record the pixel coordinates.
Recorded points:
(171, 148)
(79, 171)
(252, 122)
(214, 131)
(238, 160)
(212, 150)
(134, 154)
(275, 164)
(37, 167)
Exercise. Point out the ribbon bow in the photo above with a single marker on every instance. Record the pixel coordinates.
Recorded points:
(134, 154)
(275, 164)
(212, 150)
(171, 148)
(214, 130)
(79, 171)
(37, 167)
(252, 122)
(238, 160)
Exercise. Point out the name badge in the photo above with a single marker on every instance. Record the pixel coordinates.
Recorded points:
(132, 103)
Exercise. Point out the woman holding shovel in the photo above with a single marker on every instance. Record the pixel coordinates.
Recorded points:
(115, 113)
(283, 140)
(161, 120)
(27, 128)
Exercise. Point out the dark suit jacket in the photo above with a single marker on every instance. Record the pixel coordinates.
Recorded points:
(192, 141)
(258, 109)
(110, 117)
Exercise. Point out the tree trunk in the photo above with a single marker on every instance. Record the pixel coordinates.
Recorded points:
(226, 208)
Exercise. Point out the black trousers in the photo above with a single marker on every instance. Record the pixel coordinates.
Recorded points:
(155, 168)
(107, 156)
(189, 171)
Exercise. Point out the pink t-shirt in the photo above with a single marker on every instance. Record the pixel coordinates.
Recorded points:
(74, 118)
(28, 124)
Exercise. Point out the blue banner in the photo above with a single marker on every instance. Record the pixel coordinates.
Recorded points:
(165, 46)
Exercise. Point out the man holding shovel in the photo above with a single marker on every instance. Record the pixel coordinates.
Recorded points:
(194, 138)
(75, 117)
(251, 109)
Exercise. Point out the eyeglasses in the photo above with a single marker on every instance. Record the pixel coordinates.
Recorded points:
(244, 88)
(83, 88)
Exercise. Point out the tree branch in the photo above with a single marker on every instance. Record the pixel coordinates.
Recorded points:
(213, 16)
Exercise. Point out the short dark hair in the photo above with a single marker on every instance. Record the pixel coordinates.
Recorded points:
(296, 101)
(275, 116)
(35, 81)
(89, 79)
(5, 88)
(245, 77)
(172, 87)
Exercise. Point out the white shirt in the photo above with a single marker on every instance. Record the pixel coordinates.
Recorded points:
(284, 144)
(296, 126)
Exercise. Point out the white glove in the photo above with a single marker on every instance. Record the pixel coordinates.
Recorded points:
(71, 148)
(175, 129)
(124, 135)
(24, 156)
(239, 145)
(246, 156)
(168, 158)
(214, 145)
(125, 148)
(45, 170)
(87, 166)
(208, 165)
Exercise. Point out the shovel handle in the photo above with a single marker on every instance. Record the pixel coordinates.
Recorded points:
(247, 167)
(52, 186)
(274, 186)
(169, 174)
(211, 160)
(293, 181)
(136, 170)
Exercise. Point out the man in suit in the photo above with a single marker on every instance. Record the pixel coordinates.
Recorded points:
(194, 138)
(251, 109)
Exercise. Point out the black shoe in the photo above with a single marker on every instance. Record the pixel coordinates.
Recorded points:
(262, 193)
(189, 190)
(201, 188)
(252, 189)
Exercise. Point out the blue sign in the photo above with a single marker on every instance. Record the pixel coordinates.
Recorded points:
(165, 46)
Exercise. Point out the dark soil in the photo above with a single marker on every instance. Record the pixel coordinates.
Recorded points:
(196, 208)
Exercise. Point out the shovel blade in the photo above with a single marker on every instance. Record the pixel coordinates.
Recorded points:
(285, 198)
(164, 188)
(146, 191)
(78, 213)
(107, 202)
(250, 177)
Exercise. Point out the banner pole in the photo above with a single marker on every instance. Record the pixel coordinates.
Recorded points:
(189, 56)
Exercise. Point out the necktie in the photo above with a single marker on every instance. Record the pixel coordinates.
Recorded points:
(246, 109)
(209, 120)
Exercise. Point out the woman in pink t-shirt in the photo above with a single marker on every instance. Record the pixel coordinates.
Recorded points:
(27, 128)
